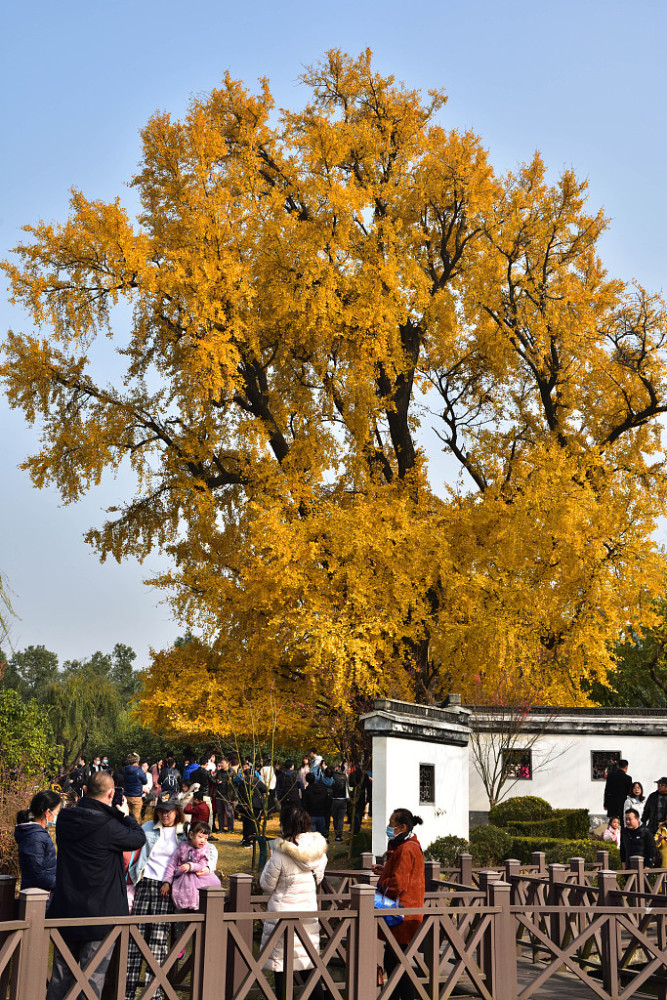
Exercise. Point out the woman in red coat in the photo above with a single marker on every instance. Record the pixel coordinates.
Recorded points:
(402, 879)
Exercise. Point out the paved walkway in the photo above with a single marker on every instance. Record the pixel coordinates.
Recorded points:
(561, 986)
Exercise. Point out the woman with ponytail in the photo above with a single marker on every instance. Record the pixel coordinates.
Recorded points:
(37, 855)
(402, 879)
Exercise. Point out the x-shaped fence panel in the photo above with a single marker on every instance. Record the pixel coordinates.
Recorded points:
(445, 953)
(292, 931)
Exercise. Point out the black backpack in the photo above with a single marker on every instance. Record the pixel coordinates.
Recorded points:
(339, 785)
(170, 781)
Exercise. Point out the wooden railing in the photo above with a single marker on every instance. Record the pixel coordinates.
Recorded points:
(505, 937)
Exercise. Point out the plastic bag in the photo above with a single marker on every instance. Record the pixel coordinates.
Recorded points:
(383, 902)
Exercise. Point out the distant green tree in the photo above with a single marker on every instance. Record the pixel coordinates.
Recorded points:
(26, 735)
(639, 679)
(31, 672)
(123, 675)
(79, 703)
(89, 701)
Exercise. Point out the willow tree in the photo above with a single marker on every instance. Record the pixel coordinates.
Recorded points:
(309, 288)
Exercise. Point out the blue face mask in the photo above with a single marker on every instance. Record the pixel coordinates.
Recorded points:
(51, 822)
(390, 832)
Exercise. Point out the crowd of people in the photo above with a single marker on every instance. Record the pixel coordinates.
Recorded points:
(222, 789)
(637, 824)
(108, 863)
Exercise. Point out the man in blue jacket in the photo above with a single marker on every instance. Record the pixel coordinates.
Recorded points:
(90, 880)
(134, 779)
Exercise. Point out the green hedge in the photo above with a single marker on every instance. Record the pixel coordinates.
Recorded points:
(563, 824)
(521, 808)
(489, 845)
(446, 850)
(560, 851)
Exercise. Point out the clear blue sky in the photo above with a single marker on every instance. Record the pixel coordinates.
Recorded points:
(583, 81)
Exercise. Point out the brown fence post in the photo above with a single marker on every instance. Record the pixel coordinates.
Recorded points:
(603, 859)
(556, 898)
(33, 961)
(486, 878)
(465, 869)
(636, 864)
(362, 962)
(240, 888)
(7, 912)
(577, 866)
(367, 859)
(512, 867)
(503, 964)
(486, 951)
(213, 942)
(607, 884)
(537, 858)
(432, 875)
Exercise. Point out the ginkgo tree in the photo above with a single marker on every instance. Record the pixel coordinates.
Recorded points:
(309, 289)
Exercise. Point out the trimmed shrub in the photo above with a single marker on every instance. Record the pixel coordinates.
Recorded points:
(564, 824)
(560, 851)
(447, 849)
(521, 808)
(489, 845)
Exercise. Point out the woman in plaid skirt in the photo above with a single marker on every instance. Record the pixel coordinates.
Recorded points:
(163, 835)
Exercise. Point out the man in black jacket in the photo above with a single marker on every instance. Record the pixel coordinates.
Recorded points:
(224, 796)
(288, 790)
(251, 791)
(655, 809)
(315, 801)
(90, 881)
(636, 840)
(617, 789)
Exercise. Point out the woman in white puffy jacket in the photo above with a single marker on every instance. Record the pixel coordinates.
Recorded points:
(292, 873)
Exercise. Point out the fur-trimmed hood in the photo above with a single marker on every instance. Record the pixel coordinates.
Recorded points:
(308, 850)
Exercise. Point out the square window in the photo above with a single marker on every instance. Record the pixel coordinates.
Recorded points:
(519, 764)
(602, 762)
(427, 784)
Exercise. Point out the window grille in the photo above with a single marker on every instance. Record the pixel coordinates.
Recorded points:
(602, 762)
(427, 784)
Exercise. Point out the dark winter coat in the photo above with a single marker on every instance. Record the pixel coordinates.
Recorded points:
(134, 779)
(288, 790)
(316, 799)
(90, 880)
(655, 811)
(637, 843)
(37, 857)
(223, 786)
(616, 791)
(202, 777)
(250, 787)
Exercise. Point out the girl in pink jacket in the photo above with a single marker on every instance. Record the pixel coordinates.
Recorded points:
(191, 867)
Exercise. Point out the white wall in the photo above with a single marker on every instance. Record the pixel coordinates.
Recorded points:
(566, 780)
(396, 785)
